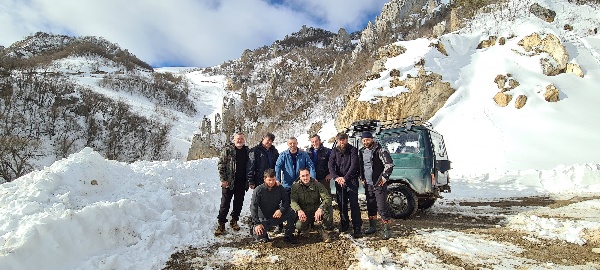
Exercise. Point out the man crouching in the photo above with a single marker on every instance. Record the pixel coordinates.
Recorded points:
(271, 206)
(312, 202)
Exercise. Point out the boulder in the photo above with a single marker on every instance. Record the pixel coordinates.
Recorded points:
(502, 99)
(491, 41)
(568, 27)
(551, 45)
(530, 42)
(543, 13)
(500, 80)
(520, 101)
(551, 94)
(575, 69)
(440, 47)
(559, 57)
(395, 73)
(502, 41)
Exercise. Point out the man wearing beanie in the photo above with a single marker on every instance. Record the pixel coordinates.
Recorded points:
(375, 168)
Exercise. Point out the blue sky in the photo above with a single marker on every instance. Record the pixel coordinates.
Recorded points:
(198, 33)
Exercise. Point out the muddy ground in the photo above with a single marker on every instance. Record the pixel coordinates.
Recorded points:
(473, 217)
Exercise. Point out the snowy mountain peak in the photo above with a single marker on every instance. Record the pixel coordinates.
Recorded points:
(42, 48)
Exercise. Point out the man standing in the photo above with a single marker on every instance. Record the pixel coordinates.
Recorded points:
(270, 206)
(232, 172)
(376, 165)
(289, 163)
(319, 155)
(262, 157)
(312, 203)
(343, 167)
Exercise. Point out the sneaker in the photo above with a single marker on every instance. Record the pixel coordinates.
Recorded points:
(233, 224)
(263, 240)
(220, 229)
(290, 239)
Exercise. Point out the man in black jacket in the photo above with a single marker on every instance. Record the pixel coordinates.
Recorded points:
(343, 167)
(271, 206)
(261, 157)
(319, 155)
(376, 166)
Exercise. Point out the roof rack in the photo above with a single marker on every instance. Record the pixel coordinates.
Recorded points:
(377, 125)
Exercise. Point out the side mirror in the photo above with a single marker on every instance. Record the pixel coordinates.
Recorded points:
(443, 165)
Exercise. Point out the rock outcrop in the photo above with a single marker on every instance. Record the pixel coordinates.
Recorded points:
(543, 13)
(559, 57)
(428, 93)
(551, 94)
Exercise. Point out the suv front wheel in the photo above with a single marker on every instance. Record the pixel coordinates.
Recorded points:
(402, 201)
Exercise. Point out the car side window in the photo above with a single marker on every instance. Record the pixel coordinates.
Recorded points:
(402, 142)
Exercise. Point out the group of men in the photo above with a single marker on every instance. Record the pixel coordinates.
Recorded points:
(294, 187)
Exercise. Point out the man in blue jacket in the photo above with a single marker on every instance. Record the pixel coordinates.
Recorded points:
(290, 162)
(288, 165)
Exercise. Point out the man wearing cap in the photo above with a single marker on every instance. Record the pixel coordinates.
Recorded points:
(343, 167)
(376, 165)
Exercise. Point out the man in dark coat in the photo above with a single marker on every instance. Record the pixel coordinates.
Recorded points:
(319, 155)
(376, 166)
(261, 157)
(271, 206)
(232, 173)
(343, 167)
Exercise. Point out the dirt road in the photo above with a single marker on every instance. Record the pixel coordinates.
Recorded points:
(425, 241)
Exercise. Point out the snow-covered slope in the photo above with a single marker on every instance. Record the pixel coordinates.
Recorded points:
(483, 137)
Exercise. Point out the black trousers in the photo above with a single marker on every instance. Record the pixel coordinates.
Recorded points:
(377, 201)
(237, 194)
(289, 216)
(344, 195)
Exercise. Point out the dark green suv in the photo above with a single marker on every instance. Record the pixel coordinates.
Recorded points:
(420, 161)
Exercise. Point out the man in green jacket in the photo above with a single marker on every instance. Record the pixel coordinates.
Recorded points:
(234, 184)
(312, 203)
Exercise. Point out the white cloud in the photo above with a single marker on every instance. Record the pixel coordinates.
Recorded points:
(184, 32)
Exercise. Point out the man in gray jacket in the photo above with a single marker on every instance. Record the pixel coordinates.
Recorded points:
(376, 166)
(271, 206)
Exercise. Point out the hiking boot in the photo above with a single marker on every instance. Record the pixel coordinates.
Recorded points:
(387, 231)
(372, 226)
(357, 233)
(290, 238)
(325, 235)
(278, 229)
(220, 229)
(233, 224)
(344, 227)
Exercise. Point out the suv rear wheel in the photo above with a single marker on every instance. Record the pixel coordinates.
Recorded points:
(402, 201)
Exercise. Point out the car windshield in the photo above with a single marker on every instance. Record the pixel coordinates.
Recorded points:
(402, 142)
